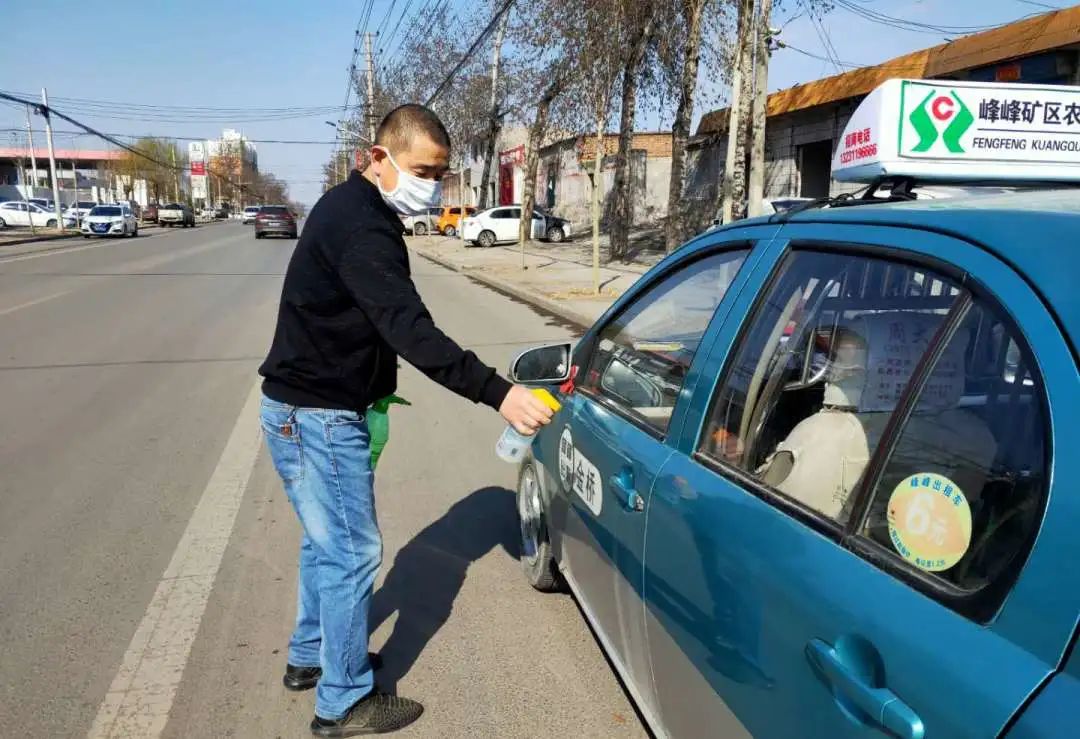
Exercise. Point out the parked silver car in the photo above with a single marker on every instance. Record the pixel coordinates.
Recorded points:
(424, 223)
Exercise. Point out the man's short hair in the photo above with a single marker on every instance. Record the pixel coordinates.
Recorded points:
(405, 123)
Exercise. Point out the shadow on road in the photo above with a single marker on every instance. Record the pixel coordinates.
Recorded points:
(429, 571)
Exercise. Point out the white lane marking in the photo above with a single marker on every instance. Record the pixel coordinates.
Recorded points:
(35, 301)
(142, 693)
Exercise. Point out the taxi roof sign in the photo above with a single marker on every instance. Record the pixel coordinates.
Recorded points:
(962, 132)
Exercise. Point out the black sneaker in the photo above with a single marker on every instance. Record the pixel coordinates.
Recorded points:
(306, 678)
(375, 713)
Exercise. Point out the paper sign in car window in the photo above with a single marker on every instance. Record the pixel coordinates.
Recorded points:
(929, 521)
(658, 346)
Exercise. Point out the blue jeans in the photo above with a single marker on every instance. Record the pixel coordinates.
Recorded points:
(323, 458)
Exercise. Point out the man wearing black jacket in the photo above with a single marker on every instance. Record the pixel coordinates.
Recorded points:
(348, 310)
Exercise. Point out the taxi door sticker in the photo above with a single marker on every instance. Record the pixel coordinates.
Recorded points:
(576, 472)
(929, 521)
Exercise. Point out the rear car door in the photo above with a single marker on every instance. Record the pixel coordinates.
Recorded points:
(506, 224)
(856, 533)
(631, 368)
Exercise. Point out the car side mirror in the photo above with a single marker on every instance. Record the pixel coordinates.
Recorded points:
(542, 365)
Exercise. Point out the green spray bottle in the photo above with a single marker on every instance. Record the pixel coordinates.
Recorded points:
(378, 421)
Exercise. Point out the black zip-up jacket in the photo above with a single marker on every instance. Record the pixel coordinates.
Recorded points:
(349, 309)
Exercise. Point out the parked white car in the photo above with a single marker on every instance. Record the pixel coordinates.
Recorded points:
(110, 220)
(500, 225)
(20, 213)
(75, 212)
(249, 214)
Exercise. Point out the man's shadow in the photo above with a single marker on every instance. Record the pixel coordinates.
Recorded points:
(429, 571)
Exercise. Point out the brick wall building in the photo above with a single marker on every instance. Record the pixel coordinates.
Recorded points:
(805, 122)
(564, 185)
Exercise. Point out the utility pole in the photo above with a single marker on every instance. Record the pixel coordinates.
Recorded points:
(33, 157)
(176, 175)
(734, 183)
(493, 121)
(240, 193)
(370, 88)
(52, 160)
(756, 188)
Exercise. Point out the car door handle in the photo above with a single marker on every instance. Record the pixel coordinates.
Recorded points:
(880, 704)
(622, 484)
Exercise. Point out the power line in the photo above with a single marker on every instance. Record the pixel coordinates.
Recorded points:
(178, 138)
(50, 111)
(471, 50)
(815, 23)
(428, 6)
(386, 18)
(390, 38)
(916, 26)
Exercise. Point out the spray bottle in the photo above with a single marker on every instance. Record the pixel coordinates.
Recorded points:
(512, 444)
(378, 421)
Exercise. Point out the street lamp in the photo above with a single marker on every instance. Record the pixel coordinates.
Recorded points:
(340, 128)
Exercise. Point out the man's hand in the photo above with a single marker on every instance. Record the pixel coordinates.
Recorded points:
(525, 412)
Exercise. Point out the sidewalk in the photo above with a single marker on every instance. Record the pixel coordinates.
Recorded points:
(557, 278)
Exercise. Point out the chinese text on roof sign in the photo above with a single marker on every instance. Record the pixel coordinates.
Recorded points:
(963, 131)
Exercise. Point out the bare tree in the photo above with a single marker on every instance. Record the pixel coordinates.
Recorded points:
(598, 71)
(640, 23)
(693, 15)
(496, 115)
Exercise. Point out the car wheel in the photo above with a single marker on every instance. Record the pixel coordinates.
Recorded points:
(3, 223)
(292, 235)
(258, 235)
(486, 239)
(420, 229)
(536, 559)
(51, 223)
(450, 232)
(555, 234)
(86, 236)
(135, 232)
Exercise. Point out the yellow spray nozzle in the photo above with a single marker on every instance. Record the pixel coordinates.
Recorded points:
(547, 399)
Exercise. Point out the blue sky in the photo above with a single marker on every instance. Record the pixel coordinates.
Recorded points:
(282, 53)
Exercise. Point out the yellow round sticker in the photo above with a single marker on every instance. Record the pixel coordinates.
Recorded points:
(929, 521)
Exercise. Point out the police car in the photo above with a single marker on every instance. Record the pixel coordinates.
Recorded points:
(814, 473)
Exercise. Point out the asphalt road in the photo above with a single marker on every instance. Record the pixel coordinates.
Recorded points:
(147, 552)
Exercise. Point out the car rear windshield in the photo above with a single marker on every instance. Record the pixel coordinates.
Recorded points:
(173, 206)
(274, 210)
(252, 209)
(105, 210)
(85, 204)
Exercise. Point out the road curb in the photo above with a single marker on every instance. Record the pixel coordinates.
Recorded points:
(36, 239)
(504, 286)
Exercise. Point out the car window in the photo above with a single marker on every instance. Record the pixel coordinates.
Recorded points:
(434, 211)
(819, 370)
(105, 210)
(963, 490)
(641, 357)
(513, 213)
(274, 210)
(455, 211)
(845, 356)
(10, 206)
(501, 213)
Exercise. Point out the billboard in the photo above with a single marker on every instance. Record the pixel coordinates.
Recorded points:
(198, 186)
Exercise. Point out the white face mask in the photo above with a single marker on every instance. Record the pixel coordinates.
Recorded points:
(413, 195)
